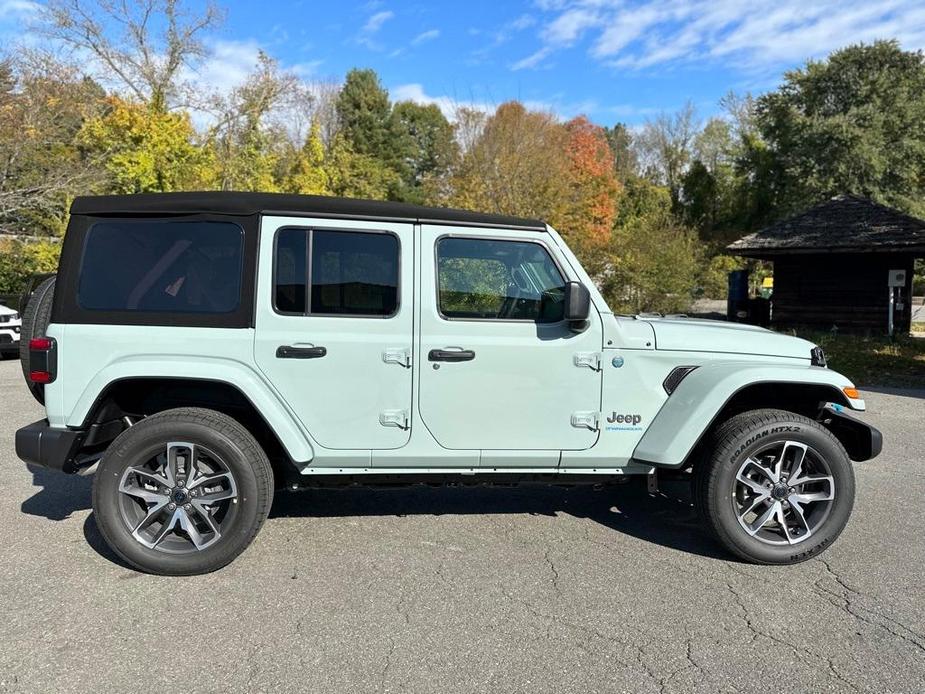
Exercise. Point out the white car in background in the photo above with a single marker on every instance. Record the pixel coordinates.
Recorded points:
(10, 325)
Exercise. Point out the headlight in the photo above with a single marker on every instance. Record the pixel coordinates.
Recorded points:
(817, 356)
(15, 316)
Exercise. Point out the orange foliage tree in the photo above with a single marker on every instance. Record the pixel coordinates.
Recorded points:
(593, 187)
(528, 163)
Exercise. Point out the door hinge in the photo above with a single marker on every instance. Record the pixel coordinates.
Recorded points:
(586, 420)
(400, 356)
(590, 359)
(394, 418)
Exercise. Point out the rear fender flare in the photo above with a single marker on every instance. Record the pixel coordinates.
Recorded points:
(254, 387)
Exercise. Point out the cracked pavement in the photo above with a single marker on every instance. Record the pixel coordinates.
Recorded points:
(526, 589)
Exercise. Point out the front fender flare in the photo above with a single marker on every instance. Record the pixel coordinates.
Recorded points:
(702, 395)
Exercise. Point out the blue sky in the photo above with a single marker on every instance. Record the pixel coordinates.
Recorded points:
(614, 60)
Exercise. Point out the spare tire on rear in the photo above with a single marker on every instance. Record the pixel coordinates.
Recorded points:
(36, 316)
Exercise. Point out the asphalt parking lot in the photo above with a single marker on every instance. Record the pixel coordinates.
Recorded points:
(462, 590)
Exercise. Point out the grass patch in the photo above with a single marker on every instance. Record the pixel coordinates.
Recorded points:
(874, 361)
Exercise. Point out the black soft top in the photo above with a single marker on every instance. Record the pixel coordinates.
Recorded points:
(245, 204)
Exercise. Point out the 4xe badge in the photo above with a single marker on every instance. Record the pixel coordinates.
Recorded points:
(624, 422)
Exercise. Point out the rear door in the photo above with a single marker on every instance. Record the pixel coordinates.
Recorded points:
(499, 368)
(334, 327)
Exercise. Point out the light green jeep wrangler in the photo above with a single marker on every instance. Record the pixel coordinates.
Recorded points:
(199, 350)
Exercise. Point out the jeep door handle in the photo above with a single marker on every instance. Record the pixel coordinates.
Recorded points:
(289, 352)
(451, 355)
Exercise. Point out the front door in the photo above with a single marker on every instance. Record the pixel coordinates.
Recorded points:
(334, 327)
(499, 367)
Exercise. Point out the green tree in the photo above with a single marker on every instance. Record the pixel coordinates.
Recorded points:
(364, 115)
(665, 148)
(709, 184)
(625, 161)
(653, 261)
(427, 143)
(853, 123)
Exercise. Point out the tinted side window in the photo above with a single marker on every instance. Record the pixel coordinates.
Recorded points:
(158, 266)
(498, 280)
(348, 274)
(291, 273)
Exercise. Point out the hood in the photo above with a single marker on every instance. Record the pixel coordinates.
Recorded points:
(6, 310)
(695, 335)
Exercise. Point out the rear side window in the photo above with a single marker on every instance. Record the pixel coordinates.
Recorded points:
(162, 267)
(336, 273)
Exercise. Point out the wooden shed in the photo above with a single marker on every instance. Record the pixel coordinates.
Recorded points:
(833, 263)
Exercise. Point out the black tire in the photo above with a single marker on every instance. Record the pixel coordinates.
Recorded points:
(35, 320)
(239, 452)
(745, 435)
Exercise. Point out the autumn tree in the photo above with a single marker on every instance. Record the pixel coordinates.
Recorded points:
(308, 174)
(355, 175)
(139, 47)
(43, 104)
(247, 148)
(145, 149)
(589, 214)
(516, 164)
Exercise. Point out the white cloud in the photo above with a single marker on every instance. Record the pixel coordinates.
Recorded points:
(761, 34)
(533, 59)
(18, 9)
(449, 105)
(375, 22)
(425, 36)
(367, 34)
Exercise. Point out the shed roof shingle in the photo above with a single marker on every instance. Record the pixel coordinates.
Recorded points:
(844, 223)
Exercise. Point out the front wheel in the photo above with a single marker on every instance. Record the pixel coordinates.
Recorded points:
(774, 487)
(182, 492)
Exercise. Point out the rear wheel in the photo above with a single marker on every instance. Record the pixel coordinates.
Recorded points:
(775, 487)
(35, 319)
(182, 492)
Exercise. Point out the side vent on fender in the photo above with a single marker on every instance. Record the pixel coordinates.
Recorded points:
(675, 377)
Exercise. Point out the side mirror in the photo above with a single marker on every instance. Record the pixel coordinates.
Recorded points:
(577, 306)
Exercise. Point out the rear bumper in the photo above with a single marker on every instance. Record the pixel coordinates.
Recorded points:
(55, 449)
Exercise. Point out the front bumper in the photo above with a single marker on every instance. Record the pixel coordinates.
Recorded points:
(860, 439)
(41, 444)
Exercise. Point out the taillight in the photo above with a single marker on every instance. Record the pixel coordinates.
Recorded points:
(43, 360)
(41, 343)
(41, 377)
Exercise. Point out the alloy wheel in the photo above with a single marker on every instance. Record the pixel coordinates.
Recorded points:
(179, 501)
(783, 493)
